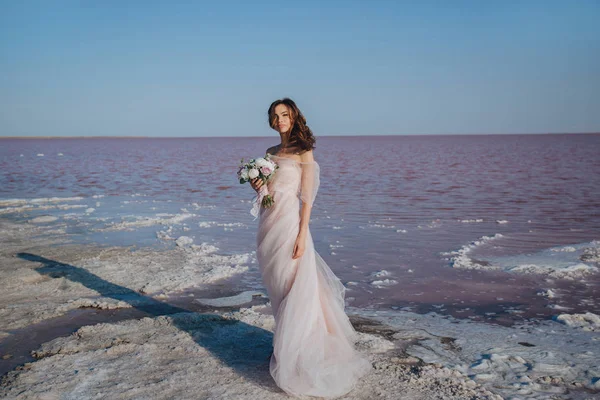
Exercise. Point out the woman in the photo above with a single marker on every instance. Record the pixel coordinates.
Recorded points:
(313, 343)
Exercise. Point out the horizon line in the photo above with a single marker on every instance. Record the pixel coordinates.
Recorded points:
(270, 136)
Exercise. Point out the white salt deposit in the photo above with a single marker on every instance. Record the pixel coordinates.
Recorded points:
(591, 254)
(204, 249)
(549, 293)
(382, 273)
(567, 249)
(40, 281)
(587, 322)
(162, 235)
(212, 356)
(540, 361)
(563, 262)
(227, 226)
(165, 235)
(138, 222)
(12, 202)
(55, 199)
(445, 358)
(436, 223)
(183, 241)
(376, 225)
(384, 282)
(63, 206)
(20, 205)
(460, 258)
(559, 307)
(572, 271)
(229, 351)
(10, 210)
(43, 219)
(198, 206)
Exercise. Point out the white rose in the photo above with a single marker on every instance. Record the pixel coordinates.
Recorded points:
(261, 162)
(244, 174)
(253, 173)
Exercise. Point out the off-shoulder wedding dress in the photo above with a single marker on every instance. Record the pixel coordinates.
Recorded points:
(313, 343)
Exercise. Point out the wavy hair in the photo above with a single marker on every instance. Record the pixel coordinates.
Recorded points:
(300, 134)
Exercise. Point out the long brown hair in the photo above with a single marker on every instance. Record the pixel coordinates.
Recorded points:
(300, 134)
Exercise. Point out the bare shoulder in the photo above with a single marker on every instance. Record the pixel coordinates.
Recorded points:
(307, 156)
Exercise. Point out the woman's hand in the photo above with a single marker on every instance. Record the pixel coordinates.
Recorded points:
(299, 246)
(256, 184)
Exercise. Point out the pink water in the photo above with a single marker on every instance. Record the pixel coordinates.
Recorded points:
(385, 203)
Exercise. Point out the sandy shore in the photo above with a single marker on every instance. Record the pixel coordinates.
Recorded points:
(152, 344)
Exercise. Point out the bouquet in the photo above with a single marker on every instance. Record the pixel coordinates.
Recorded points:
(263, 168)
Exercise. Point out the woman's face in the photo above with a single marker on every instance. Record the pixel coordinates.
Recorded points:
(283, 122)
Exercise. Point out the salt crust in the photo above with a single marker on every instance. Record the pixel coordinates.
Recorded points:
(43, 219)
(591, 254)
(14, 202)
(9, 206)
(462, 259)
(33, 207)
(549, 293)
(381, 283)
(208, 356)
(546, 360)
(41, 281)
(163, 357)
(588, 321)
(183, 241)
(139, 222)
(444, 358)
(384, 282)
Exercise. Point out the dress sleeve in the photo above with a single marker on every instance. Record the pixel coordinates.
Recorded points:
(309, 185)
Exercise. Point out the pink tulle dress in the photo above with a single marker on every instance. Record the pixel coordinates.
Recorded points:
(313, 343)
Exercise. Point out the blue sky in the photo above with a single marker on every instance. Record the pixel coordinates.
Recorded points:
(174, 68)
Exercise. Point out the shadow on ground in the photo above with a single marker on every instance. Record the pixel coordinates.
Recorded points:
(242, 347)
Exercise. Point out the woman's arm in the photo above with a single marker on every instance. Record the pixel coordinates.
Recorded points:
(308, 186)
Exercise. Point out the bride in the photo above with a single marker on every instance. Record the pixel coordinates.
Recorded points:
(313, 343)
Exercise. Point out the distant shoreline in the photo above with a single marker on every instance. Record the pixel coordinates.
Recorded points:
(242, 137)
